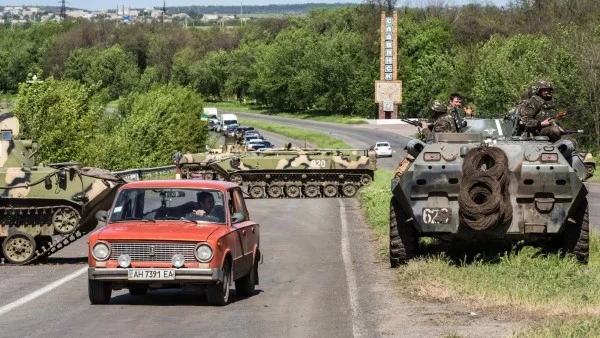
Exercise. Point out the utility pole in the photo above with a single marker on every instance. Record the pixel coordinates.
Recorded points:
(164, 11)
(241, 13)
(63, 10)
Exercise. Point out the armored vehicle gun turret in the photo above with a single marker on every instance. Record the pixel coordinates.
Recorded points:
(290, 173)
(485, 184)
(45, 208)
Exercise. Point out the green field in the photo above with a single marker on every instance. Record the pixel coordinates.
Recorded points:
(306, 115)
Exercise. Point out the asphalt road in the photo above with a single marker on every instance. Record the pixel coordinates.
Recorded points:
(363, 136)
(319, 278)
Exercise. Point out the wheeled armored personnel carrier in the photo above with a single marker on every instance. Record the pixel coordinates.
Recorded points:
(290, 173)
(45, 208)
(486, 185)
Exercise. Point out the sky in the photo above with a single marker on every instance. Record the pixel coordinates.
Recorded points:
(106, 4)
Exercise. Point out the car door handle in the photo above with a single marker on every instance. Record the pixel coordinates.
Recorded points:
(244, 232)
(252, 229)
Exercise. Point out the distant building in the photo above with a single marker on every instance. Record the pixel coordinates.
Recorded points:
(209, 17)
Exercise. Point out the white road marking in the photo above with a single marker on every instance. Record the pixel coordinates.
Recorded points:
(45, 289)
(357, 324)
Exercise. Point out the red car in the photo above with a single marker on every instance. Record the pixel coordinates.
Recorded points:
(170, 233)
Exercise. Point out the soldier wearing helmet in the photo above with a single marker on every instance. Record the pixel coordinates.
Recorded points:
(537, 110)
(444, 121)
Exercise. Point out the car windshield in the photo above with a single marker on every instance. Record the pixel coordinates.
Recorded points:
(161, 204)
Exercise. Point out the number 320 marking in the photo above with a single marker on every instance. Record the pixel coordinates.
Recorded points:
(317, 163)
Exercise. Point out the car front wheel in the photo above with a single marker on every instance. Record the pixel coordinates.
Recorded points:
(218, 294)
(245, 286)
(99, 292)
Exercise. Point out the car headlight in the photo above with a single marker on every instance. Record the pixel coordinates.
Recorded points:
(101, 251)
(204, 253)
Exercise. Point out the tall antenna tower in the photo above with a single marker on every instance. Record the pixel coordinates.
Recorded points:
(164, 11)
(63, 10)
(241, 13)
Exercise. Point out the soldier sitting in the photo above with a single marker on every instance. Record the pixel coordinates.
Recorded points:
(444, 123)
(537, 111)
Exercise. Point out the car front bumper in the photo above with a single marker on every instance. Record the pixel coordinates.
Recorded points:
(181, 275)
(384, 153)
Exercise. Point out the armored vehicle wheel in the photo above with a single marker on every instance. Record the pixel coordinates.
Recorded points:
(18, 248)
(330, 190)
(274, 191)
(257, 191)
(349, 190)
(311, 191)
(99, 292)
(366, 179)
(404, 238)
(236, 178)
(292, 191)
(65, 220)
(208, 176)
(220, 178)
(576, 235)
(218, 294)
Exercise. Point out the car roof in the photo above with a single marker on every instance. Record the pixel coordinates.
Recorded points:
(386, 142)
(193, 184)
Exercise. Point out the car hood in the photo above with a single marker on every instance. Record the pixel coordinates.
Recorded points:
(160, 231)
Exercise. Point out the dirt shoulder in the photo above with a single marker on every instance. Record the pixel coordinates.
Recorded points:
(399, 313)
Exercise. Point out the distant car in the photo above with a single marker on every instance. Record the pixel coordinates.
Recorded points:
(256, 146)
(247, 139)
(383, 149)
(213, 123)
(155, 238)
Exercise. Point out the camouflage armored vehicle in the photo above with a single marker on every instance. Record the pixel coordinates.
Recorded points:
(45, 208)
(486, 185)
(290, 173)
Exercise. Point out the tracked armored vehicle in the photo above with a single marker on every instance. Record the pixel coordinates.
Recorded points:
(485, 184)
(45, 208)
(290, 173)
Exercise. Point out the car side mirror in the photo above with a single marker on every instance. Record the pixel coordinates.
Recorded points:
(101, 215)
(238, 217)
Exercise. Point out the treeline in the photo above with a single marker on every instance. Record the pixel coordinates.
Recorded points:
(325, 62)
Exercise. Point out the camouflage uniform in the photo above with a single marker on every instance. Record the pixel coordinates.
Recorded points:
(535, 108)
(444, 123)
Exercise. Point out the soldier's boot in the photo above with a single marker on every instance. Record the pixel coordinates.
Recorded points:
(403, 166)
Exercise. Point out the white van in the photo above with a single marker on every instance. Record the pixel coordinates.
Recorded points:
(226, 120)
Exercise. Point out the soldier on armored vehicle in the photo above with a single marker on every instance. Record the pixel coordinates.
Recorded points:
(485, 185)
(536, 117)
(444, 123)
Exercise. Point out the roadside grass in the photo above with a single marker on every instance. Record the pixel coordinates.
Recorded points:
(321, 116)
(519, 280)
(570, 329)
(317, 139)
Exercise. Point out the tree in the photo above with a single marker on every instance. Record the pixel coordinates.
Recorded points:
(115, 69)
(158, 123)
(73, 109)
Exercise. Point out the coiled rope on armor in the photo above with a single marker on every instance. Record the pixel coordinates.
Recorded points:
(484, 199)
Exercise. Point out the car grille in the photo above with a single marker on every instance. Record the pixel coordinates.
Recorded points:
(153, 252)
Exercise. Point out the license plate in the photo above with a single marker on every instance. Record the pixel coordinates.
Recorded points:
(150, 274)
(437, 215)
